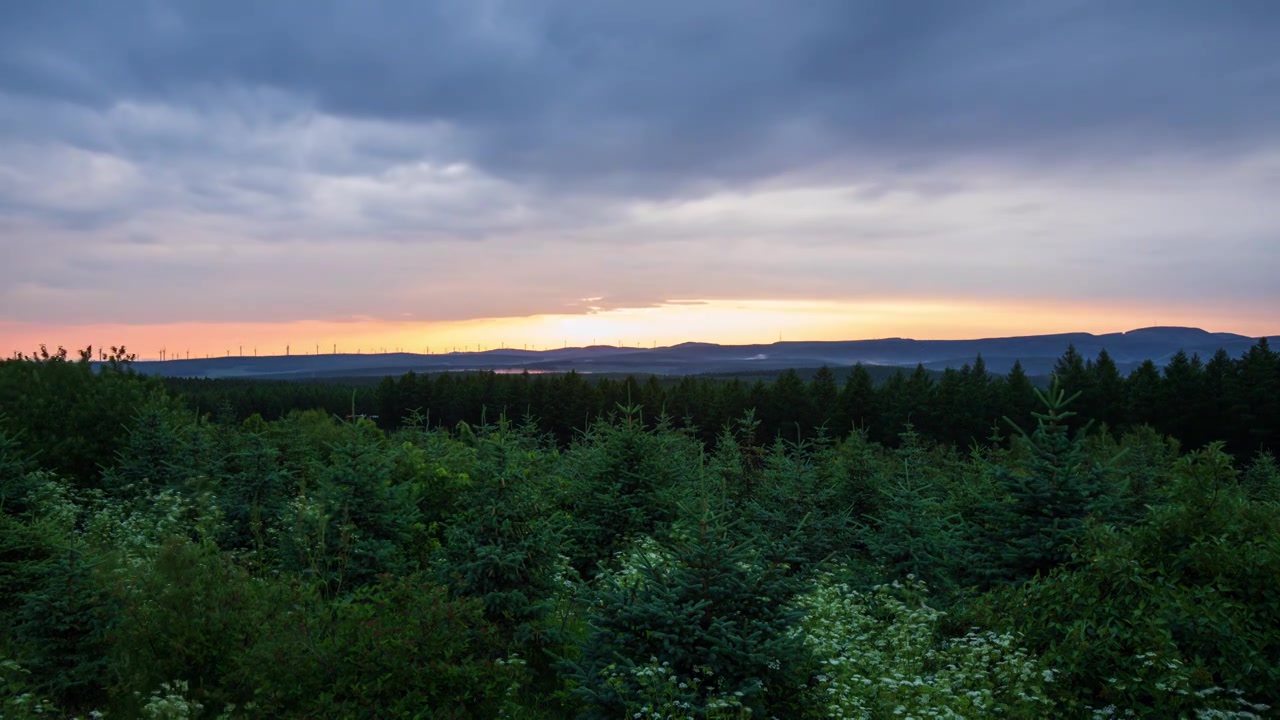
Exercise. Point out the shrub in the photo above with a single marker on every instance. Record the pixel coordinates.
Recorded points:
(397, 648)
(881, 657)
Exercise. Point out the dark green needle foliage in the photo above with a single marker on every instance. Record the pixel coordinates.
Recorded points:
(618, 482)
(797, 517)
(61, 631)
(912, 531)
(503, 547)
(208, 549)
(153, 448)
(1262, 480)
(15, 485)
(706, 611)
(1045, 504)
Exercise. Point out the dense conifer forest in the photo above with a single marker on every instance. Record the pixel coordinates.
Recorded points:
(953, 545)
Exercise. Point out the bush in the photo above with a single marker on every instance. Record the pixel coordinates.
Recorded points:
(400, 648)
(881, 656)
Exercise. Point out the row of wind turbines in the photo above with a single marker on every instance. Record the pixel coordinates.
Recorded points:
(165, 355)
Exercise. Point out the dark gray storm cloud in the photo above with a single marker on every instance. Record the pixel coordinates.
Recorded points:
(823, 147)
(682, 91)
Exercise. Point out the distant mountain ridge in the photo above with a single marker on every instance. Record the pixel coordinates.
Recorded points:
(1037, 353)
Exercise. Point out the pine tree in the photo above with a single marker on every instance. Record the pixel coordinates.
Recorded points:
(1107, 390)
(795, 517)
(823, 394)
(1142, 396)
(1047, 503)
(910, 532)
(706, 615)
(790, 408)
(857, 402)
(153, 447)
(617, 476)
(1019, 399)
(1262, 479)
(1077, 377)
(1180, 399)
(1256, 399)
(14, 465)
(504, 546)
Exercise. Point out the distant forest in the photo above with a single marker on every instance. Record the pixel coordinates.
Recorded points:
(538, 547)
(1235, 400)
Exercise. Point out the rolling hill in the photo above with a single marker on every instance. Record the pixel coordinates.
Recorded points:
(1037, 353)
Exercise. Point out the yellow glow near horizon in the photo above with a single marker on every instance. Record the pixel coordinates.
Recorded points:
(735, 322)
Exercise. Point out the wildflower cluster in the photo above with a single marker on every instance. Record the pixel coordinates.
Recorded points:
(170, 702)
(881, 656)
(656, 691)
(137, 527)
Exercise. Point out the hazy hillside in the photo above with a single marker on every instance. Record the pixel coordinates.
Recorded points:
(1037, 354)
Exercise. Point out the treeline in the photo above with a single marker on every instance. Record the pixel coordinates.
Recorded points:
(173, 564)
(235, 399)
(1235, 400)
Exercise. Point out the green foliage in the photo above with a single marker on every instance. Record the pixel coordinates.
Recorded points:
(1045, 504)
(253, 492)
(17, 700)
(881, 656)
(1141, 462)
(14, 466)
(911, 531)
(1171, 616)
(355, 523)
(503, 547)
(72, 417)
(618, 482)
(399, 648)
(710, 611)
(60, 632)
(153, 448)
(160, 563)
(186, 614)
(1262, 480)
(796, 517)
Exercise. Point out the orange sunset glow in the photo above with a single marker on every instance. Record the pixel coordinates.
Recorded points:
(720, 321)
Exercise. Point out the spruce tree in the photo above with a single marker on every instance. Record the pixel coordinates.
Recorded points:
(14, 483)
(1142, 391)
(1107, 390)
(911, 531)
(503, 547)
(823, 394)
(616, 478)
(1046, 503)
(1180, 399)
(707, 617)
(1019, 397)
(857, 402)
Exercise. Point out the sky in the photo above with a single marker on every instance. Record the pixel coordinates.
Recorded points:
(242, 176)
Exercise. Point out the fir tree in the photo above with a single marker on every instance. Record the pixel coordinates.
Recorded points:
(709, 615)
(1142, 393)
(857, 402)
(910, 532)
(1045, 504)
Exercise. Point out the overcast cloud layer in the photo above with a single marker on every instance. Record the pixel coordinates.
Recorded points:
(289, 160)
